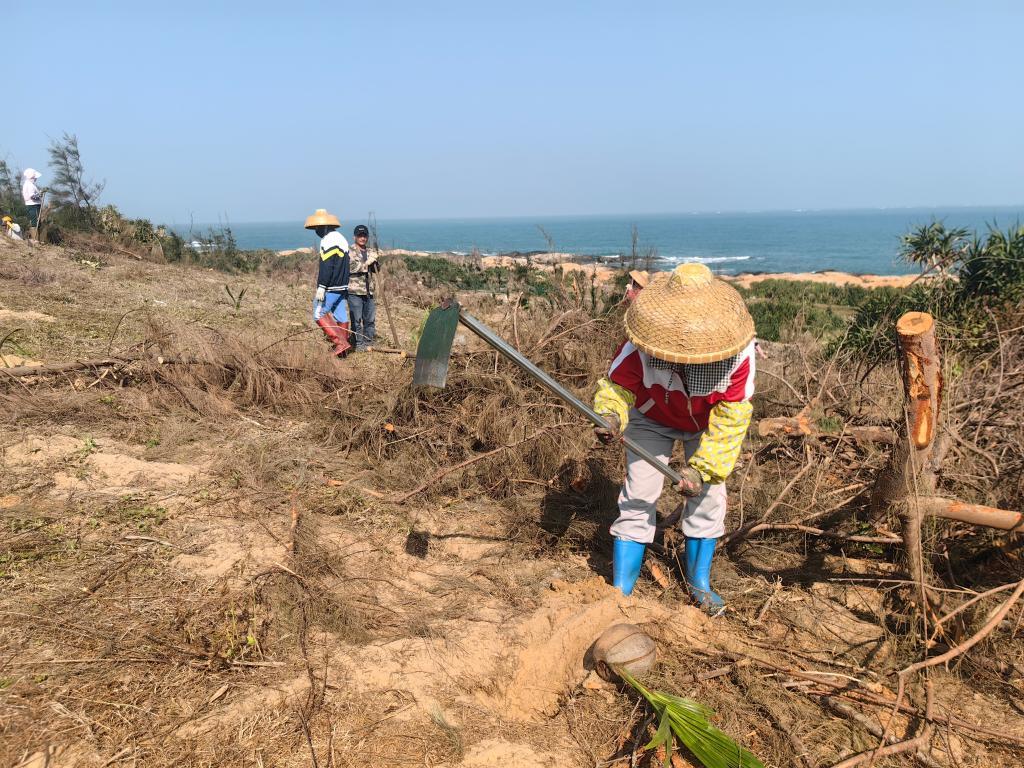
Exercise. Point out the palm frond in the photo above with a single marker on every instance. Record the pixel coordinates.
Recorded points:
(689, 721)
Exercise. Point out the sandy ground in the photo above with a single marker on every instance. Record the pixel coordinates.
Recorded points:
(828, 277)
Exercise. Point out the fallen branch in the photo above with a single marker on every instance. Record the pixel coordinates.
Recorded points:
(920, 741)
(942, 620)
(849, 712)
(742, 533)
(973, 640)
(910, 745)
(800, 426)
(823, 533)
(976, 514)
(77, 365)
(866, 697)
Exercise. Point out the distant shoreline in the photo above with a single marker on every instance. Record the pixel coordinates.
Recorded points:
(567, 262)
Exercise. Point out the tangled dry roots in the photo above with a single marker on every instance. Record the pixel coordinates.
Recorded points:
(213, 371)
(490, 405)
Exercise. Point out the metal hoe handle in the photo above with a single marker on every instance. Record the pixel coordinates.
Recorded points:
(557, 389)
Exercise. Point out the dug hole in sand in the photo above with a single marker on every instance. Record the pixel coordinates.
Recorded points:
(520, 668)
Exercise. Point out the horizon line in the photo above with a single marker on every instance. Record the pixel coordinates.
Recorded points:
(719, 212)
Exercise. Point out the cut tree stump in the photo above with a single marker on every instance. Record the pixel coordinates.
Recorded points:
(906, 485)
(908, 473)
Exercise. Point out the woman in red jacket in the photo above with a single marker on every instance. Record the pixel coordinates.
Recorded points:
(687, 374)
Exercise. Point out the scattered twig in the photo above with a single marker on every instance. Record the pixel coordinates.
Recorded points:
(915, 744)
(845, 710)
(823, 533)
(533, 436)
(973, 640)
(943, 619)
(161, 542)
(741, 533)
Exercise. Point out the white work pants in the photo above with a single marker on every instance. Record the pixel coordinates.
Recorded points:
(704, 516)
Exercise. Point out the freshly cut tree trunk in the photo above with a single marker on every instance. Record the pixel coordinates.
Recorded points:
(906, 486)
(908, 473)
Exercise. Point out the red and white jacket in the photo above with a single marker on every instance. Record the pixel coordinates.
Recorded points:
(682, 396)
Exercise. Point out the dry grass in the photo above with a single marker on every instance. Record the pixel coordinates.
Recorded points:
(253, 399)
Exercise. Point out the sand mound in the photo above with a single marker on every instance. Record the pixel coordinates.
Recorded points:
(550, 647)
(39, 450)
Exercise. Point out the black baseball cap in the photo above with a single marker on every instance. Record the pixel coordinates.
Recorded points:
(361, 231)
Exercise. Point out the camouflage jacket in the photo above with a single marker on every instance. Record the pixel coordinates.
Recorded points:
(362, 266)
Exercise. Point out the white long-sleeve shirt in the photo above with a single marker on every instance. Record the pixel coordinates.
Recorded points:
(31, 193)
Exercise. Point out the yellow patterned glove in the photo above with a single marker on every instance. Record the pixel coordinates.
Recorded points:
(720, 444)
(613, 400)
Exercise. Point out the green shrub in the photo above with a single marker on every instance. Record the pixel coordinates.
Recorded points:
(993, 269)
(806, 292)
(11, 203)
(781, 320)
(436, 271)
(989, 276)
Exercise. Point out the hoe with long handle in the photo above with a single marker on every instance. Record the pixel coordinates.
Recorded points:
(435, 347)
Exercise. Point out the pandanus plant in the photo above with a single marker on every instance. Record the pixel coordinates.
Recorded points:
(689, 722)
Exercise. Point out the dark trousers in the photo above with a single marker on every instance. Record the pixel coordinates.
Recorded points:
(364, 319)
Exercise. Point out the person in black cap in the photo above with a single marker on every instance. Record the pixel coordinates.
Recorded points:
(364, 264)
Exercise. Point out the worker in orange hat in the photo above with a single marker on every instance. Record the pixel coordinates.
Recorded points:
(330, 304)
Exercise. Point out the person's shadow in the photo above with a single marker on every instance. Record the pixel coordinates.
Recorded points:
(579, 507)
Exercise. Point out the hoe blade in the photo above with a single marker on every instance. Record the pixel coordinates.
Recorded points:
(435, 346)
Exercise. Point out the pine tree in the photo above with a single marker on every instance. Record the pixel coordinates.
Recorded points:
(69, 192)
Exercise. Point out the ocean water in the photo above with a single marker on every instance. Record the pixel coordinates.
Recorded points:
(864, 241)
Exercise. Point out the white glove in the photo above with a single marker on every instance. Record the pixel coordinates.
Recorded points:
(321, 292)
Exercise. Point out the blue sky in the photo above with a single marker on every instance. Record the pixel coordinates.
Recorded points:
(263, 111)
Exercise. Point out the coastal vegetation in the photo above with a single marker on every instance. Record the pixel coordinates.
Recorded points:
(235, 590)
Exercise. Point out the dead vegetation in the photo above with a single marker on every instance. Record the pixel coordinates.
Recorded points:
(231, 549)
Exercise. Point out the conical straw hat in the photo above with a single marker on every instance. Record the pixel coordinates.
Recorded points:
(688, 316)
(322, 219)
(640, 277)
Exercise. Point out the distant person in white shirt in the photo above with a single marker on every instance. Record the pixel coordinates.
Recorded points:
(33, 197)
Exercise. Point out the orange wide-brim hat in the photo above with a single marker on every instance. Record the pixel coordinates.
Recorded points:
(689, 316)
(322, 219)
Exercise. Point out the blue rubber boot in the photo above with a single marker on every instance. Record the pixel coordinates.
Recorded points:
(699, 553)
(627, 557)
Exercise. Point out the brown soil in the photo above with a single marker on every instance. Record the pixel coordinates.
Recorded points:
(203, 561)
